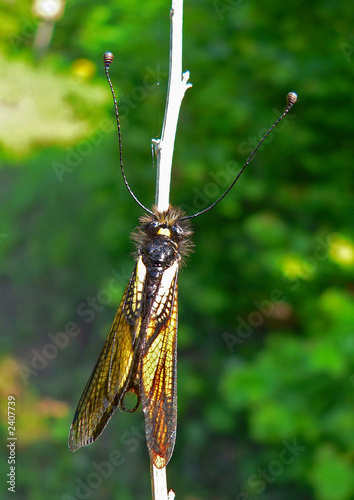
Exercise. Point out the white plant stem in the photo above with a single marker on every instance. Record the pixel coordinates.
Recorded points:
(177, 86)
(159, 484)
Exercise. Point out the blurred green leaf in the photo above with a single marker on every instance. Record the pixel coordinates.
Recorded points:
(331, 475)
(42, 107)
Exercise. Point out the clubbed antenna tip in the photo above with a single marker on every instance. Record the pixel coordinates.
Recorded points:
(290, 99)
(108, 58)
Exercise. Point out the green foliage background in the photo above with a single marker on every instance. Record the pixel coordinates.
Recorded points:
(265, 368)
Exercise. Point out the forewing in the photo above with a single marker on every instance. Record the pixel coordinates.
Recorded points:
(158, 375)
(113, 370)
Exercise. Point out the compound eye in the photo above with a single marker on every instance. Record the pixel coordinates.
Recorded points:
(177, 230)
(152, 226)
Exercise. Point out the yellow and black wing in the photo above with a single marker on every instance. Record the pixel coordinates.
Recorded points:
(113, 371)
(157, 371)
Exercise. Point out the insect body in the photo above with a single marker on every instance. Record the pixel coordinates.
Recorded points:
(139, 354)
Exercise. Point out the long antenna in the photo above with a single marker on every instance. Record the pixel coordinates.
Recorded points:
(107, 59)
(291, 100)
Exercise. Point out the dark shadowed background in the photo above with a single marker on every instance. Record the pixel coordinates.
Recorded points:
(265, 357)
